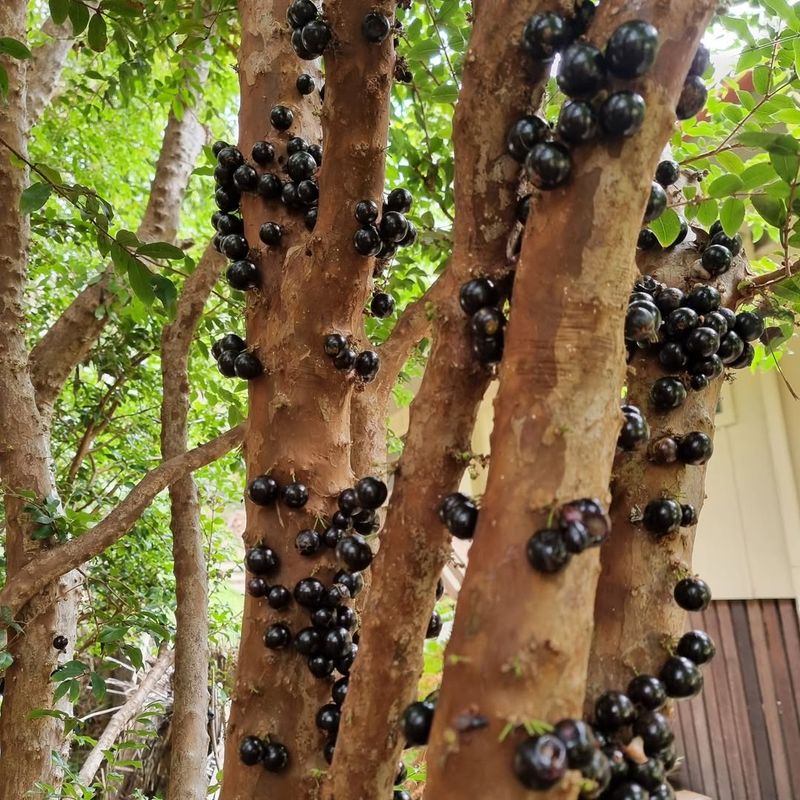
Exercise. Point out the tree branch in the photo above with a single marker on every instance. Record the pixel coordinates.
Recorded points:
(120, 721)
(44, 70)
(188, 778)
(53, 563)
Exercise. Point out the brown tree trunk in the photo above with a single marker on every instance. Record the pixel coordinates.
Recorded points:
(635, 615)
(45, 67)
(415, 545)
(299, 423)
(188, 779)
(554, 436)
(26, 744)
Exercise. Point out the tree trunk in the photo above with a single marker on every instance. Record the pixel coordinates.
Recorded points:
(299, 423)
(635, 615)
(25, 744)
(188, 779)
(415, 545)
(45, 67)
(554, 436)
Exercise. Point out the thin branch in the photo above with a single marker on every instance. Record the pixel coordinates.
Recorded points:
(442, 43)
(45, 569)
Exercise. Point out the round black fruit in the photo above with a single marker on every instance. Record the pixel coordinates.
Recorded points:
(622, 114)
(703, 299)
(301, 166)
(367, 241)
(242, 275)
(301, 12)
(399, 199)
(749, 326)
(275, 757)
(315, 37)
(257, 586)
(647, 691)
(613, 710)
(579, 741)
(701, 60)
(656, 203)
(366, 212)
(60, 642)
(277, 636)
(582, 71)
(702, 342)
(540, 761)
(667, 394)
(226, 363)
(251, 750)
(345, 359)
(697, 646)
(320, 666)
(647, 240)
(668, 172)
(270, 186)
(307, 542)
(305, 84)
(278, 596)
(270, 233)
(476, 294)
(230, 157)
(688, 515)
(328, 718)
(375, 27)
(547, 551)
(733, 243)
(235, 247)
(693, 97)
(695, 448)
(692, 594)
(662, 516)
(461, 519)
(577, 122)
(435, 626)
(367, 364)
(393, 226)
(247, 366)
(549, 165)
(635, 432)
(309, 593)
(382, 305)
(417, 721)
(655, 731)
(354, 581)
(263, 490)
(631, 49)
(681, 677)
(354, 551)
(524, 134)
(218, 146)
(261, 560)
(245, 178)
(295, 495)
(371, 493)
(717, 259)
(227, 199)
(281, 117)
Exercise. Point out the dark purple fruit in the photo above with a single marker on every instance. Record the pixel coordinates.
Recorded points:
(647, 240)
(301, 12)
(631, 49)
(745, 359)
(717, 259)
(354, 551)
(544, 35)
(487, 322)
(582, 71)
(245, 178)
(701, 343)
(242, 275)
(307, 542)
(367, 241)
(281, 117)
(662, 516)
(261, 560)
(320, 666)
(703, 299)
(549, 165)
(668, 172)
(547, 551)
(218, 146)
(60, 642)
(524, 134)
(251, 749)
(295, 495)
(732, 243)
(655, 731)
(278, 597)
(688, 515)
(335, 642)
(731, 347)
(328, 718)
(263, 490)
(667, 394)
(371, 493)
(382, 305)
(345, 359)
(227, 199)
(393, 227)
(477, 294)
(634, 432)
(226, 363)
(417, 721)
(695, 448)
(540, 761)
(692, 594)
(693, 97)
(648, 774)
(339, 692)
(270, 233)
(697, 646)
(367, 364)
(681, 677)
(277, 636)
(229, 223)
(622, 114)
(375, 27)
(435, 626)
(333, 344)
(310, 218)
(579, 741)
(308, 641)
(656, 203)
(247, 366)
(354, 581)
(399, 199)
(366, 212)
(230, 158)
(315, 37)
(577, 122)
(701, 60)
(235, 247)
(270, 186)
(613, 710)
(672, 356)
(301, 166)
(305, 84)
(275, 757)
(647, 692)
(257, 586)
(309, 593)
(749, 326)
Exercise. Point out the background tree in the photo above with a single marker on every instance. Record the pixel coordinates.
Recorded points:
(104, 367)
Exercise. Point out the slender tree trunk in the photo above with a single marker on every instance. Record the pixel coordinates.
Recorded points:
(188, 779)
(25, 744)
(299, 423)
(635, 615)
(555, 431)
(44, 70)
(415, 545)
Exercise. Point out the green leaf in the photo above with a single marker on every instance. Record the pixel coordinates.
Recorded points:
(98, 686)
(785, 165)
(141, 280)
(161, 250)
(666, 227)
(725, 185)
(707, 213)
(771, 210)
(127, 238)
(761, 78)
(97, 35)
(423, 50)
(446, 93)
(166, 292)
(71, 669)
(3, 81)
(34, 197)
(731, 215)
(771, 142)
(52, 175)
(756, 175)
(730, 161)
(59, 10)
(62, 690)
(79, 17)
(6, 660)
(13, 47)
(111, 635)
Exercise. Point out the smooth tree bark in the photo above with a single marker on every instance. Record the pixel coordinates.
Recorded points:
(521, 639)
(636, 617)
(74, 334)
(26, 745)
(188, 778)
(119, 722)
(299, 420)
(54, 562)
(45, 68)
(415, 545)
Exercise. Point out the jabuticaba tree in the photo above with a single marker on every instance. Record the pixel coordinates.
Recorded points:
(309, 285)
(638, 622)
(520, 645)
